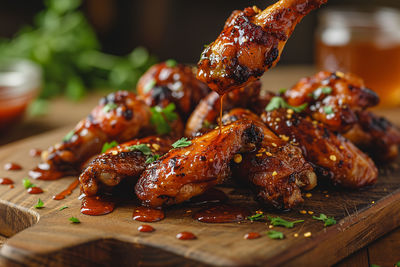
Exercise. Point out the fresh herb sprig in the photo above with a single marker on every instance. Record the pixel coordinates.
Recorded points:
(275, 234)
(39, 204)
(107, 146)
(256, 217)
(317, 93)
(27, 183)
(160, 118)
(278, 102)
(146, 151)
(277, 221)
(328, 221)
(183, 142)
(74, 220)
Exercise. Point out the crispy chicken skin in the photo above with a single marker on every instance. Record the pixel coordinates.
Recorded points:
(119, 116)
(164, 83)
(250, 44)
(376, 136)
(122, 162)
(205, 115)
(333, 98)
(333, 155)
(276, 171)
(186, 172)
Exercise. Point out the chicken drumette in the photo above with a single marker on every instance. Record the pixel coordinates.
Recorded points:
(251, 43)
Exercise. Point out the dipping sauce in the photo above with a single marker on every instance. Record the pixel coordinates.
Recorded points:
(10, 166)
(222, 214)
(186, 236)
(96, 206)
(35, 152)
(145, 228)
(144, 214)
(6, 181)
(35, 190)
(67, 191)
(252, 235)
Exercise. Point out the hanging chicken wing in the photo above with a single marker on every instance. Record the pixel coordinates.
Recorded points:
(250, 44)
(189, 171)
(126, 161)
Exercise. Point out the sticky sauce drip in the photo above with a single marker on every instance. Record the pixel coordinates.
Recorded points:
(12, 166)
(67, 191)
(97, 205)
(252, 235)
(145, 228)
(44, 172)
(222, 214)
(186, 236)
(6, 181)
(144, 214)
(35, 190)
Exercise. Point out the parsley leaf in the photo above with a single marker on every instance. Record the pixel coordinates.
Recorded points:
(39, 205)
(142, 148)
(278, 102)
(256, 217)
(171, 63)
(107, 146)
(161, 116)
(328, 110)
(277, 221)
(275, 234)
(328, 221)
(109, 106)
(68, 136)
(319, 91)
(152, 158)
(183, 142)
(27, 183)
(74, 220)
(63, 208)
(149, 85)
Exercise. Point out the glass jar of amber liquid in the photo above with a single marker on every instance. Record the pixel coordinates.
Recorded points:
(364, 42)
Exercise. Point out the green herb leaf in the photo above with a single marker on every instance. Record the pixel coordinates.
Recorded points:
(316, 94)
(397, 264)
(107, 146)
(142, 148)
(27, 183)
(68, 136)
(109, 106)
(328, 221)
(275, 234)
(152, 158)
(63, 208)
(74, 220)
(149, 85)
(171, 63)
(161, 116)
(183, 142)
(278, 102)
(282, 91)
(39, 205)
(256, 217)
(277, 221)
(328, 110)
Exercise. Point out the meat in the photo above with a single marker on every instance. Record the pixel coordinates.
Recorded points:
(189, 171)
(250, 44)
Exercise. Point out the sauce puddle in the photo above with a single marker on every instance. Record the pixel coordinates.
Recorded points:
(145, 228)
(6, 181)
(44, 172)
(10, 166)
(186, 236)
(96, 206)
(35, 190)
(67, 191)
(145, 214)
(252, 235)
(222, 214)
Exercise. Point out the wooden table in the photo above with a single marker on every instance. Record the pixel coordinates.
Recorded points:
(384, 251)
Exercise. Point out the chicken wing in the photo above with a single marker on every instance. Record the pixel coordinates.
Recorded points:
(168, 82)
(376, 136)
(126, 161)
(333, 98)
(186, 172)
(250, 44)
(333, 155)
(276, 171)
(205, 115)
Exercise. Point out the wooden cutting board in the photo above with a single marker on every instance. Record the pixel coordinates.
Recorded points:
(46, 236)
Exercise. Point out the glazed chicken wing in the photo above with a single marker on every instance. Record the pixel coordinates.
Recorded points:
(332, 98)
(276, 171)
(376, 136)
(250, 44)
(205, 115)
(186, 172)
(120, 116)
(126, 161)
(169, 82)
(333, 155)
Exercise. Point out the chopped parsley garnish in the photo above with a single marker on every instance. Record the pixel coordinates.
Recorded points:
(109, 106)
(328, 110)
(152, 158)
(149, 85)
(39, 204)
(107, 146)
(171, 63)
(142, 148)
(68, 136)
(328, 221)
(277, 221)
(275, 234)
(326, 90)
(74, 220)
(256, 217)
(278, 102)
(27, 183)
(161, 116)
(63, 208)
(398, 264)
(183, 142)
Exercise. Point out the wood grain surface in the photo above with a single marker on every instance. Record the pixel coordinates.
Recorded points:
(362, 216)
